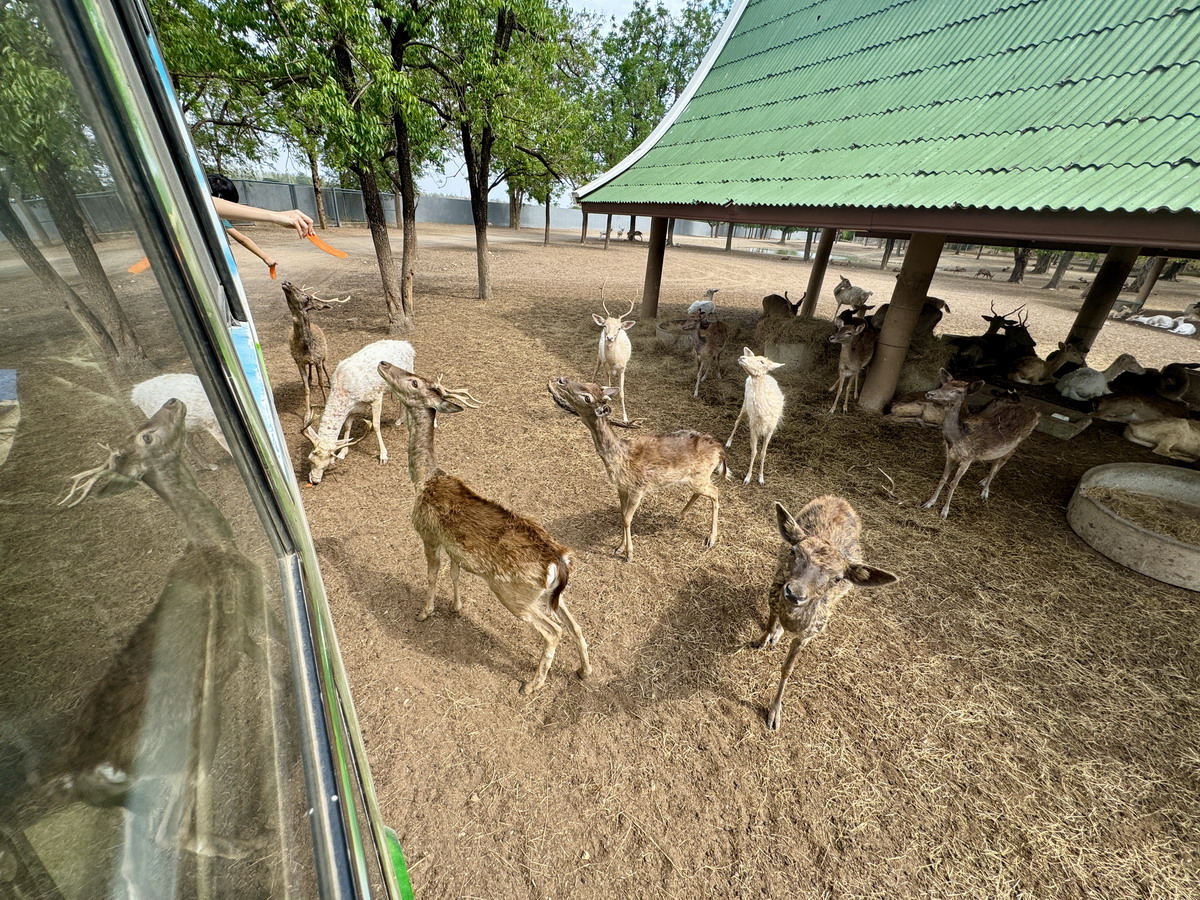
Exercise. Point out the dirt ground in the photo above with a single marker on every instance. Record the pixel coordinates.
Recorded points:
(1016, 717)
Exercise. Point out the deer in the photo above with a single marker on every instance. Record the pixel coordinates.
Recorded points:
(614, 350)
(308, 345)
(516, 557)
(983, 273)
(708, 340)
(762, 405)
(644, 462)
(708, 305)
(990, 435)
(932, 309)
(846, 293)
(858, 312)
(147, 737)
(857, 339)
(1085, 383)
(818, 564)
(1035, 370)
(780, 306)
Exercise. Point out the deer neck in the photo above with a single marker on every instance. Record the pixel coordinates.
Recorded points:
(952, 426)
(337, 407)
(202, 522)
(302, 327)
(422, 463)
(604, 436)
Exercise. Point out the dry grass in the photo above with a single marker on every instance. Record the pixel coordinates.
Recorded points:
(1177, 520)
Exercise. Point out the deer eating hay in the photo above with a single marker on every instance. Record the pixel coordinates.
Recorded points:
(523, 566)
(644, 462)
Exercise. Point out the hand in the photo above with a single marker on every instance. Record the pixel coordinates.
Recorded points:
(296, 219)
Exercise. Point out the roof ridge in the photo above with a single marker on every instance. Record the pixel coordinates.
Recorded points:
(942, 65)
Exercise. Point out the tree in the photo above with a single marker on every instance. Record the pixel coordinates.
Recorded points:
(1064, 262)
(1020, 261)
(1042, 264)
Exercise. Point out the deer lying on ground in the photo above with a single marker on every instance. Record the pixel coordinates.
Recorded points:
(857, 339)
(1172, 438)
(1035, 370)
(357, 389)
(976, 351)
(706, 305)
(780, 306)
(308, 345)
(762, 405)
(1171, 382)
(148, 736)
(1136, 408)
(644, 462)
(818, 565)
(525, 568)
(1087, 384)
(708, 340)
(847, 294)
(615, 350)
(990, 435)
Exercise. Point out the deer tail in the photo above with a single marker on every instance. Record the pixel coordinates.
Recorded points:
(723, 466)
(561, 576)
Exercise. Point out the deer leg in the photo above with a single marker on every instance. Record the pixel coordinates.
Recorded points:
(201, 461)
(630, 501)
(753, 452)
(709, 490)
(454, 570)
(433, 565)
(736, 423)
(996, 466)
(621, 388)
(341, 454)
(772, 634)
(962, 470)
(928, 504)
(322, 384)
(699, 377)
(762, 462)
(851, 387)
(551, 631)
(836, 397)
(585, 664)
(376, 412)
(304, 383)
(775, 711)
(599, 360)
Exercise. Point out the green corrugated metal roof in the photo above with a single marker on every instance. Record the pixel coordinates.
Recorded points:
(993, 104)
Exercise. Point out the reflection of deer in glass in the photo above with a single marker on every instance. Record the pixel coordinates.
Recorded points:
(147, 737)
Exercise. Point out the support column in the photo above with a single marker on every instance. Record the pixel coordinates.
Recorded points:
(654, 265)
(1156, 268)
(729, 238)
(1101, 297)
(817, 274)
(808, 233)
(607, 230)
(888, 247)
(583, 231)
(912, 287)
(671, 232)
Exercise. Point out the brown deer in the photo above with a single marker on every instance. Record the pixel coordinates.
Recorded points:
(857, 339)
(523, 565)
(645, 462)
(1035, 370)
(308, 345)
(780, 306)
(148, 736)
(818, 565)
(990, 435)
(708, 340)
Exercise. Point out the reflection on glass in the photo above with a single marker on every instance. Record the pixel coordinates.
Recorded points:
(146, 726)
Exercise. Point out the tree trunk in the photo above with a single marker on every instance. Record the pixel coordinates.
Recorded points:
(60, 198)
(1042, 265)
(1064, 263)
(1144, 272)
(808, 236)
(1172, 270)
(671, 232)
(979, 253)
(1020, 261)
(478, 168)
(607, 230)
(546, 235)
(1095, 261)
(12, 228)
(43, 236)
(888, 246)
(377, 222)
(316, 183)
(583, 229)
(516, 199)
(632, 226)
(408, 209)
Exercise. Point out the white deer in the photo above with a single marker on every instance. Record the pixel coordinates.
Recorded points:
(762, 405)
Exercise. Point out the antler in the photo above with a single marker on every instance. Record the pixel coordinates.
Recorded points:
(85, 481)
(458, 396)
(331, 300)
(628, 311)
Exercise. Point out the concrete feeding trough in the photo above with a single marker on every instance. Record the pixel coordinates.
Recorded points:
(1135, 546)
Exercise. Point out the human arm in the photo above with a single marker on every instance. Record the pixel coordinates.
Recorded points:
(293, 218)
(250, 245)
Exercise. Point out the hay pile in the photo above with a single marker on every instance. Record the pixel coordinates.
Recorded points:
(927, 355)
(1176, 520)
(794, 330)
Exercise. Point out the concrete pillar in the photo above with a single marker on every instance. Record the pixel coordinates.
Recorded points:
(1101, 297)
(607, 230)
(729, 238)
(817, 274)
(1156, 268)
(888, 247)
(654, 265)
(583, 230)
(912, 287)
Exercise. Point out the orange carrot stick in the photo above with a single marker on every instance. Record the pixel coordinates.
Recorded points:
(271, 269)
(332, 251)
(140, 266)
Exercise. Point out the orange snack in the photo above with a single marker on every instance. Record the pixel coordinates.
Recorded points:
(332, 251)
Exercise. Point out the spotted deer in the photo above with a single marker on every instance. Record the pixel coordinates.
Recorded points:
(990, 435)
(644, 462)
(614, 351)
(308, 345)
(708, 340)
(857, 339)
(779, 305)
(516, 557)
(818, 564)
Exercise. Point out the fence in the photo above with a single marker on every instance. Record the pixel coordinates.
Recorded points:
(107, 214)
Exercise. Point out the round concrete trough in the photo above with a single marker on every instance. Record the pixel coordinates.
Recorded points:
(1156, 555)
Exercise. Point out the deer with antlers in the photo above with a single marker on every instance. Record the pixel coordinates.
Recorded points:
(614, 351)
(148, 736)
(991, 435)
(521, 563)
(709, 337)
(308, 345)
(644, 462)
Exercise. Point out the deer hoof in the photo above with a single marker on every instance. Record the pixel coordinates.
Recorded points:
(424, 614)
(945, 512)
(529, 687)
(774, 714)
(709, 543)
(928, 504)
(583, 672)
(761, 480)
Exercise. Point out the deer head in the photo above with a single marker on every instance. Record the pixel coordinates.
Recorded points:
(848, 332)
(951, 390)
(415, 392)
(756, 365)
(324, 452)
(613, 325)
(300, 301)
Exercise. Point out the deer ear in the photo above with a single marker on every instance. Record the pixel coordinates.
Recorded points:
(629, 324)
(746, 351)
(774, 365)
(599, 320)
(975, 387)
(609, 392)
(945, 376)
(788, 529)
(866, 576)
(443, 405)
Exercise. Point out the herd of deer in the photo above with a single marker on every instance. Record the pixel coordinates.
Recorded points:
(214, 591)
